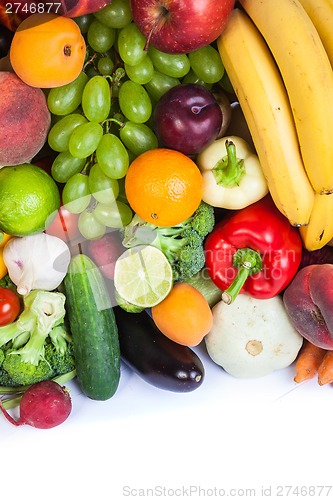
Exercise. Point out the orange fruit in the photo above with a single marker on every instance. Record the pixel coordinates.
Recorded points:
(47, 50)
(184, 316)
(163, 186)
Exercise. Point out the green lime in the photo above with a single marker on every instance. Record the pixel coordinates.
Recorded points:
(29, 199)
(143, 276)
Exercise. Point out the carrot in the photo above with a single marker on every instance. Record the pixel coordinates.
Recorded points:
(325, 370)
(308, 361)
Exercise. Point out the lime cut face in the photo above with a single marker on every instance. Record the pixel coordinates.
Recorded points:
(143, 276)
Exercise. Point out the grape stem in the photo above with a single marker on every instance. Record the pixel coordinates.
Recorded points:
(114, 120)
(90, 60)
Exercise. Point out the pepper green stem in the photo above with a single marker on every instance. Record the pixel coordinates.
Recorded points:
(229, 170)
(248, 262)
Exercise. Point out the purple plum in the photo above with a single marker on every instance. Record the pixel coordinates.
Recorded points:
(187, 118)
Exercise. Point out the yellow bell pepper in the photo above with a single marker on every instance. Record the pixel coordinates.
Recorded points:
(3, 268)
(3, 240)
(232, 174)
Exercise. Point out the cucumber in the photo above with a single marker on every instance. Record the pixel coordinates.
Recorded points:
(155, 358)
(94, 329)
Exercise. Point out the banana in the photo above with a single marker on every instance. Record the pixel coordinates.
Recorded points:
(319, 231)
(321, 14)
(308, 77)
(264, 102)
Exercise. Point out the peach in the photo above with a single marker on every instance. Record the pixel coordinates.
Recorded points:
(309, 303)
(24, 120)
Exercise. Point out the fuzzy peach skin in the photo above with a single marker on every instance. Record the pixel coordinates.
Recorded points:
(24, 120)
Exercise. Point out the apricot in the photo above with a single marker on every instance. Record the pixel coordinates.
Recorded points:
(24, 120)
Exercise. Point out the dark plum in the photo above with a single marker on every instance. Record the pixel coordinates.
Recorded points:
(187, 118)
(6, 37)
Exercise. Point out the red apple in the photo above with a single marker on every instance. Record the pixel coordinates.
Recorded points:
(181, 26)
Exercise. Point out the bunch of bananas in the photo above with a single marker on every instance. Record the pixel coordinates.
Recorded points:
(279, 58)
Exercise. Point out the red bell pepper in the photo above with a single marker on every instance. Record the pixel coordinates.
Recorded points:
(253, 250)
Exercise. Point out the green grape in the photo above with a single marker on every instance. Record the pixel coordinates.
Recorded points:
(65, 166)
(60, 132)
(225, 83)
(142, 72)
(65, 99)
(116, 215)
(105, 65)
(207, 64)
(103, 188)
(91, 71)
(175, 65)
(76, 194)
(84, 22)
(112, 156)
(191, 77)
(138, 137)
(134, 102)
(131, 44)
(122, 194)
(160, 84)
(89, 226)
(85, 139)
(115, 15)
(100, 37)
(96, 99)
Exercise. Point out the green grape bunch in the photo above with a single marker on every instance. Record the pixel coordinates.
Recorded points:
(103, 119)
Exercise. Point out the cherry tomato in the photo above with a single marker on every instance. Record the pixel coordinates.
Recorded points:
(9, 306)
(64, 226)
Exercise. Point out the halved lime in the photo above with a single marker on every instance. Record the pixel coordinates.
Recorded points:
(143, 276)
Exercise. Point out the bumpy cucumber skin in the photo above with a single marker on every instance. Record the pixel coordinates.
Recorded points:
(94, 329)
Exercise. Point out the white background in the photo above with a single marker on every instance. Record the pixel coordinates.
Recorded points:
(228, 434)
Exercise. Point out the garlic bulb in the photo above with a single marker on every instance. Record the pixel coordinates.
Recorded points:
(38, 261)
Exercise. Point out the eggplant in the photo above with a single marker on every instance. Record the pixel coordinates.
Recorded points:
(158, 360)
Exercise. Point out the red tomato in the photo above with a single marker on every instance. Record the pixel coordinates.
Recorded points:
(9, 306)
(64, 226)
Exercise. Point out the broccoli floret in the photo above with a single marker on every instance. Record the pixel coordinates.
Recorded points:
(59, 351)
(182, 244)
(203, 219)
(24, 341)
(25, 373)
(5, 380)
